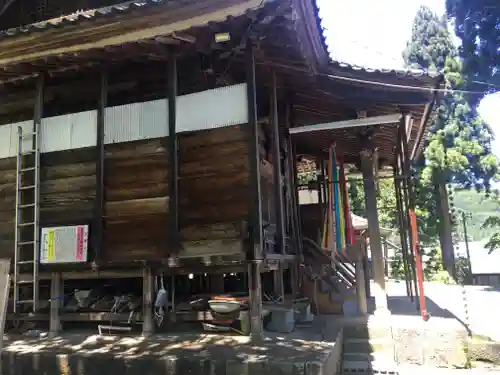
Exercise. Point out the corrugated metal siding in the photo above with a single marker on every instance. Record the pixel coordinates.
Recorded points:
(27, 127)
(136, 121)
(66, 132)
(5, 141)
(55, 134)
(224, 106)
(84, 129)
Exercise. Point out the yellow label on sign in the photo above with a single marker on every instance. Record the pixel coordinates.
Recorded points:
(50, 246)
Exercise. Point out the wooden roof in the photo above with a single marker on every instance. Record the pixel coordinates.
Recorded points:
(289, 41)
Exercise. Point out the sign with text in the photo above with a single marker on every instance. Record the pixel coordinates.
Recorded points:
(64, 244)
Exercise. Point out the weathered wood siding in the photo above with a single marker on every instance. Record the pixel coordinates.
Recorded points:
(214, 187)
(7, 206)
(136, 200)
(214, 194)
(67, 187)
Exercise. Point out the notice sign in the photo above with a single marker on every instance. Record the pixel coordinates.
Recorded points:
(64, 244)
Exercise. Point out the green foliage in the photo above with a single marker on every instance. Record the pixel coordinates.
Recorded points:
(432, 262)
(479, 208)
(397, 267)
(430, 42)
(493, 222)
(386, 201)
(459, 143)
(477, 24)
(443, 277)
(463, 271)
(458, 148)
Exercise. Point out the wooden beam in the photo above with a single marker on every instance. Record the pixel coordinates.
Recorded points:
(144, 26)
(173, 156)
(98, 228)
(255, 240)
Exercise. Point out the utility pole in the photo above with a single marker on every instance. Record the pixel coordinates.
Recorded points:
(464, 222)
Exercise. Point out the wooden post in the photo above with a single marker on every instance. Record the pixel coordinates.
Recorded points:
(173, 157)
(148, 327)
(402, 230)
(56, 300)
(321, 202)
(255, 240)
(367, 168)
(5, 265)
(98, 228)
(279, 288)
(407, 200)
(37, 126)
(361, 284)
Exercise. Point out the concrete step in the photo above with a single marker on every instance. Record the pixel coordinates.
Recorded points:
(371, 357)
(371, 367)
(356, 345)
(366, 331)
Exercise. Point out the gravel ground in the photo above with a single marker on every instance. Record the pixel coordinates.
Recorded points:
(420, 370)
(447, 301)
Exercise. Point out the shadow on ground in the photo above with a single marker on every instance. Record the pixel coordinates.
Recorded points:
(305, 351)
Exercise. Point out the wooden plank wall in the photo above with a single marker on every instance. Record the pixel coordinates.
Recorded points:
(67, 188)
(214, 194)
(136, 196)
(214, 186)
(7, 206)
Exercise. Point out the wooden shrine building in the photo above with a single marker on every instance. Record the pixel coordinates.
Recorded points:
(151, 139)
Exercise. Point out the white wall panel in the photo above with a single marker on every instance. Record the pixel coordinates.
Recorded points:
(84, 129)
(5, 141)
(136, 121)
(55, 134)
(27, 127)
(224, 106)
(66, 132)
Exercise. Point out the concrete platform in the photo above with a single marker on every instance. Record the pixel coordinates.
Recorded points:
(311, 351)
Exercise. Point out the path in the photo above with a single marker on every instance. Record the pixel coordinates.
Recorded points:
(447, 301)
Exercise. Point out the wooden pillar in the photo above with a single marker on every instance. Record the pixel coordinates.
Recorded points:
(37, 127)
(386, 255)
(361, 284)
(408, 199)
(173, 156)
(148, 327)
(445, 226)
(366, 267)
(321, 202)
(255, 238)
(402, 230)
(56, 300)
(5, 265)
(98, 227)
(279, 288)
(379, 290)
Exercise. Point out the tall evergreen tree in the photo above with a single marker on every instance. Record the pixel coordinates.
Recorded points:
(458, 146)
(430, 42)
(477, 24)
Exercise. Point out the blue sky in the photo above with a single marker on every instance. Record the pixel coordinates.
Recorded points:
(373, 33)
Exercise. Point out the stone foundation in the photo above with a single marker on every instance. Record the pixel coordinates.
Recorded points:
(303, 352)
